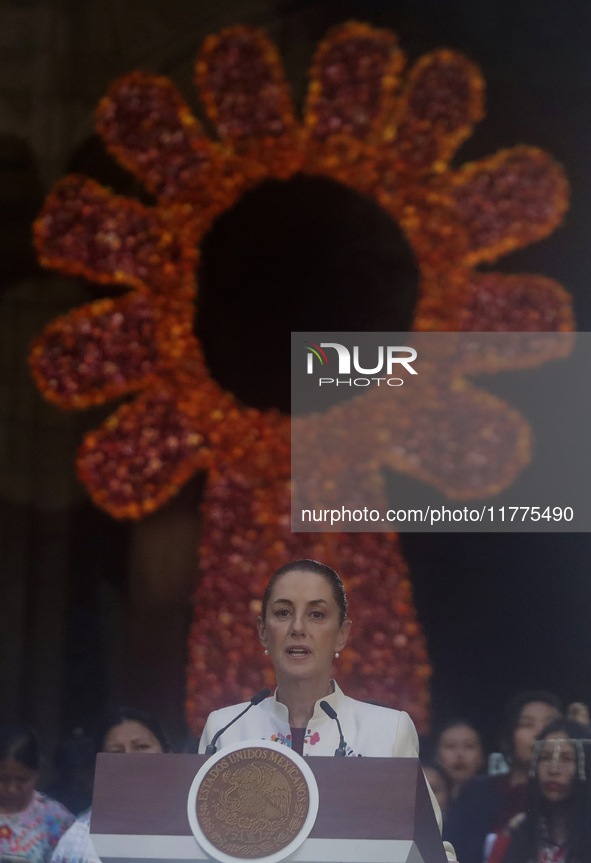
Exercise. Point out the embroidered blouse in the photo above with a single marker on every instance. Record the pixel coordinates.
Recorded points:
(368, 730)
(76, 846)
(33, 833)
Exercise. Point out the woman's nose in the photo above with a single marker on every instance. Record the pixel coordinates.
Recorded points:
(298, 624)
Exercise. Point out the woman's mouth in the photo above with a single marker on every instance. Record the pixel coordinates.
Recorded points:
(553, 786)
(298, 652)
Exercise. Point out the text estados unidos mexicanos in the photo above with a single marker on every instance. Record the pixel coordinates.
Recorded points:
(435, 515)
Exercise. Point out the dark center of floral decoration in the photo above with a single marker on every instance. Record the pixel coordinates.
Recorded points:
(303, 254)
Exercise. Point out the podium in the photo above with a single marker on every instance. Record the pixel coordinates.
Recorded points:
(371, 810)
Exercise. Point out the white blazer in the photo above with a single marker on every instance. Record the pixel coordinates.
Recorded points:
(368, 730)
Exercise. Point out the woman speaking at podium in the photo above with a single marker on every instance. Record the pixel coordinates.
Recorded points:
(303, 627)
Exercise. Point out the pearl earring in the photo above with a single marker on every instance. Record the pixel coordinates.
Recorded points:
(266, 652)
(336, 656)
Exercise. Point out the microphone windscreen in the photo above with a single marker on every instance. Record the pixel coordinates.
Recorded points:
(260, 696)
(330, 712)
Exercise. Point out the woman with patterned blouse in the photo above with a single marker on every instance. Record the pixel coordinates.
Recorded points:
(31, 823)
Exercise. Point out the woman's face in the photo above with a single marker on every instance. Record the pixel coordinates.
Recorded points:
(533, 718)
(557, 767)
(131, 736)
(459, 753)
(301, 630)
(17, 784)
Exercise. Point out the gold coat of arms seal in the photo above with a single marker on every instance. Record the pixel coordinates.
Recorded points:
(253, 801)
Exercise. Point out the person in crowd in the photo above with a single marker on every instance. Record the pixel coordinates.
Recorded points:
(125, 730)
(487, 803)
(556, 828)
(579, 712)
(459, 754)
(30, 822)
(439, 783)
(74, 761)
(303, 627)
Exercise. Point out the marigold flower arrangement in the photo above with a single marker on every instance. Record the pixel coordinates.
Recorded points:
(367, 125)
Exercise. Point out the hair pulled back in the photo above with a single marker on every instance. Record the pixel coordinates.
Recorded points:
(21, 743)
(306, 565)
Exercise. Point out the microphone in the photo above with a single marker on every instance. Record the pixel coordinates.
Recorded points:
(332, 714)
(256, 699)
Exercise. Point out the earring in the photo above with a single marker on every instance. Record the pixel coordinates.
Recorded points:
(336, 656)
(266, 652)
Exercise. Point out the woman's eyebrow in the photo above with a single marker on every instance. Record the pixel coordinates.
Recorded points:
(312, 601)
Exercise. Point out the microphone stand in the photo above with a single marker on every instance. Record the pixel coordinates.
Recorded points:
(332, 714)
(211, 748)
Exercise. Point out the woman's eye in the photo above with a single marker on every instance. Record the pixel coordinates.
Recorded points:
(317, 614)
(282, 612)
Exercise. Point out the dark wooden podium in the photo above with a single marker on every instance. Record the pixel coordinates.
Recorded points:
(372, 810)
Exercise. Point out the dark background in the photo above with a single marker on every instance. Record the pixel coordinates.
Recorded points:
(500, 613)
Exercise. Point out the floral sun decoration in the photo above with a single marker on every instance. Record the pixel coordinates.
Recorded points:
(365, 125)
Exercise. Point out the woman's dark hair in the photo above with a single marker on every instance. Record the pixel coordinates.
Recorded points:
(131, 714)
(337, 586)
(454, 723)
(529, 836)
(21, 743)
(514, 709)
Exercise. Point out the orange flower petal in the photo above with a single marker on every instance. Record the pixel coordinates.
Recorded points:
(241, 80)
(505, 202)
(442, 100)
(355, 71)
(140, 456)
(516, 303)
(96, 352)
(534, 312)
(150, 129)
(445, 432)
(464, 441)
(85, 230)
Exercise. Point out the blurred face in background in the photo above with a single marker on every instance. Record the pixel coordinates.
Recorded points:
(131, 736)
(532, 719)
(459, 752)
(17, 784)
(557, 766)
